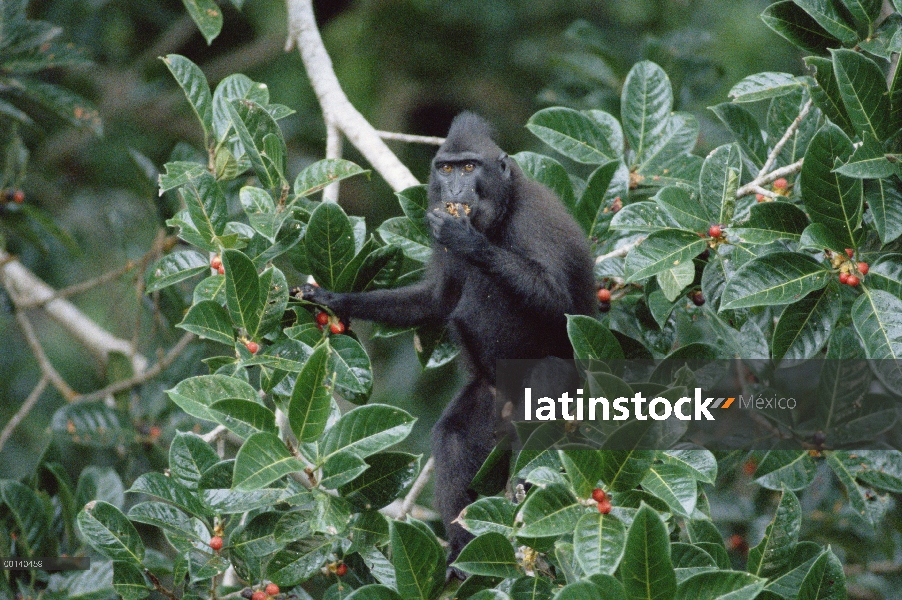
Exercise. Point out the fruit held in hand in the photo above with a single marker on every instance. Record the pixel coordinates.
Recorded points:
(604, 507)
(272, 589)
(598, 495)
(337, 327)
(863, 268)
(252, 347)
(715, 231)
(604, 295)
(322, 318)
(853, 280)
(216, 543)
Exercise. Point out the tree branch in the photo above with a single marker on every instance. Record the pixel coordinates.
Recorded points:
(23, 410)
(31, 338)
(333, 150)
(26, 288)
(417, 488)
(141, 377)
(413, 139)
(337, 109)
(620, 251)
(778, 147)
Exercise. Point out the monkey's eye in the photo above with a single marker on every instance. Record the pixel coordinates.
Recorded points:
(446, 168)
(468, 167)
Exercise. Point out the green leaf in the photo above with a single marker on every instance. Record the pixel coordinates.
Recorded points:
(165, 488)
(869, 161)
(877, 316)
(207, 208)
(549, 511)
(591, 339)
(646, 568)
(685, 208)
(625, 468)
(311, 397)
(825, 580)
(886, 274)
(762, 86)
(389, 474)
(777, 278)
(698, 463)
(243, 297)
(189, 457)
(490, 554)
(299, 561)
(884, 198)
(129, 581)
(329, 242)
(317, 176)
(253, 124)
(262, 459)
(90, 424)
(67, 105)
(774, 552)
(795, 25)
(782, 113)
(209, 320)
(193, 82)
(829, 17)
(863, 90)
(644, 217)
(234, 87)
(864, 11)
(826, 95)
(549, 173)
(804, 327)
(645, 106)
(673, 281)
(719, 180)
(351, 365)
(772, 221)
(744, 127)
(845, 465)
(583, 466)
(489, 514)
(575, 135)
(418, 559)
(207, 16)
(720, 585)
(173, 522)
(667, 159)
(411, 237)
(109, 532)
(661, 251)
(789, 469)
(818, 237)
(674, 486)
(373, 592)
(366, 430)
(605, 185)
(27, 515)
(599, 542)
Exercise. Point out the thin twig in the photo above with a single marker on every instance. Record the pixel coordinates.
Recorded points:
(158, 585)
(752, 186)
(126, 384)
(333, 150)
(31, 338)
(410, 138)
(417, 488)
(621, 251)
(215, 434)
(23, 410)
(790, 131)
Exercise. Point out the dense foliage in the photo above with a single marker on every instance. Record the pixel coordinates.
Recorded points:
(736, 254)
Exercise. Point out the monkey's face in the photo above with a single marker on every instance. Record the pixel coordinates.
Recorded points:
(469, 184)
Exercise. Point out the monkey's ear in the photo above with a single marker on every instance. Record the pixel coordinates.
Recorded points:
(504, 165)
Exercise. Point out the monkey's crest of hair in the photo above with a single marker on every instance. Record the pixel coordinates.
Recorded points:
(467, 128)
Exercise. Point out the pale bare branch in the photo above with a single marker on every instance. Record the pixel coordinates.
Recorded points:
(23, 410)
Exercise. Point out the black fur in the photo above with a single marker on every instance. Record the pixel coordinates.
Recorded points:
(503, 279)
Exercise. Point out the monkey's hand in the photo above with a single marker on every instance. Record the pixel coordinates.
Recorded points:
(316, 295)
(457, 234)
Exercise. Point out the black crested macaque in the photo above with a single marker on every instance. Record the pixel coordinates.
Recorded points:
(508, 264)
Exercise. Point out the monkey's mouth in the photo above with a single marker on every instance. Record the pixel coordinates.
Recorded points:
(457, 209)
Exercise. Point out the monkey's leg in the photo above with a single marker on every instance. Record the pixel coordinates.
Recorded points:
(461, 441)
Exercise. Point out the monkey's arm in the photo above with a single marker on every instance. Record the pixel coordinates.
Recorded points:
(533, 279)
(409, 306)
